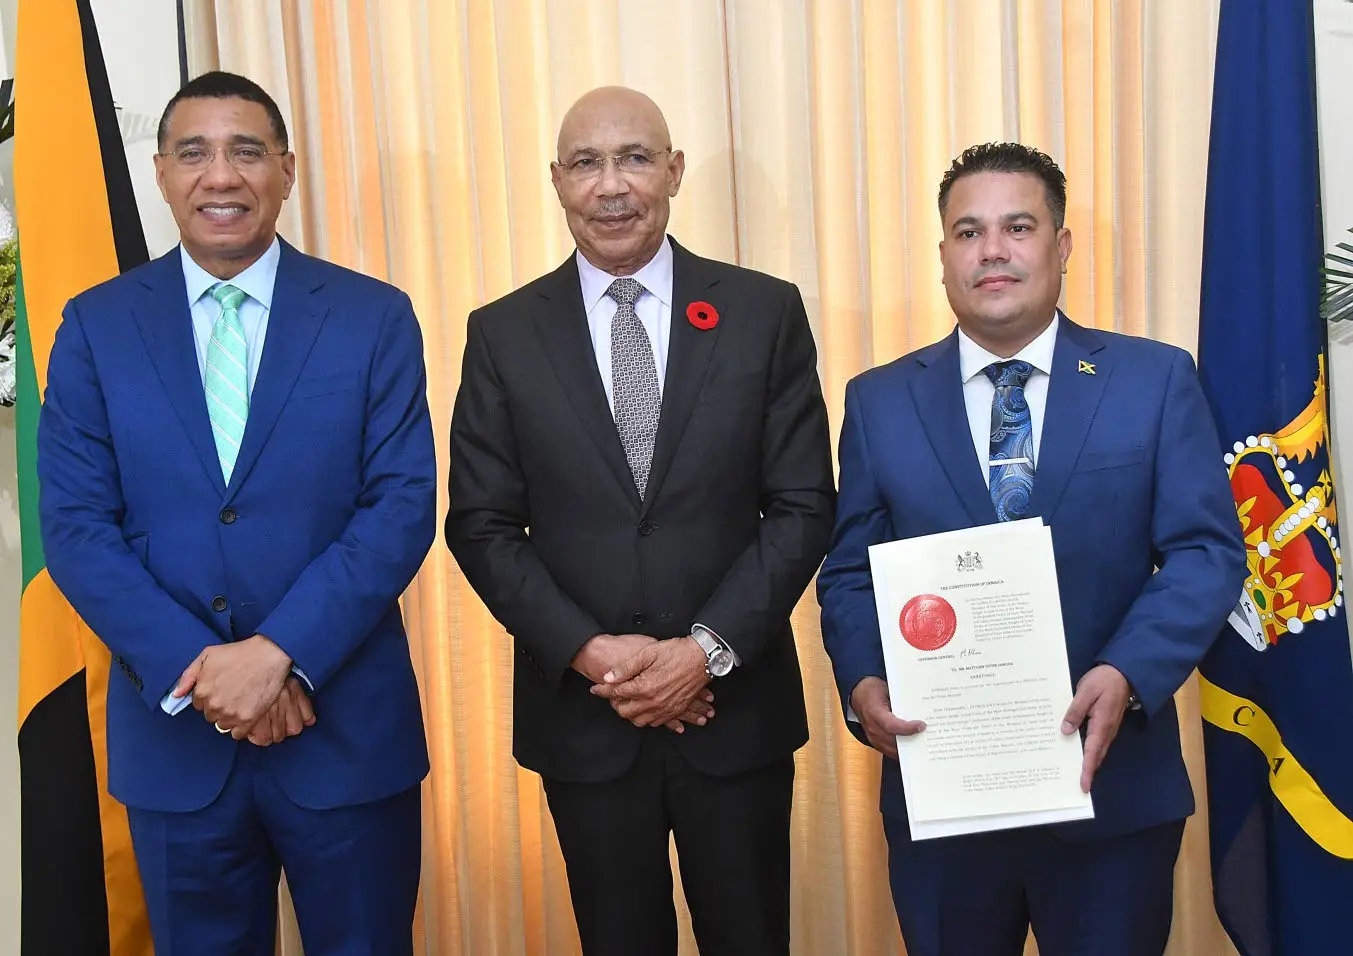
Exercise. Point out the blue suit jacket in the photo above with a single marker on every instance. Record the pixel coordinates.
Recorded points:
(329, 514)
(1130, 479)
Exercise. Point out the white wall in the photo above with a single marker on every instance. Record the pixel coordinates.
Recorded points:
(141, 54)
(9, 591)
(140, 46)
(1334, 80)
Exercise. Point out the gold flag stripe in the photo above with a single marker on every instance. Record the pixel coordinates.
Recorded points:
(1292, 783)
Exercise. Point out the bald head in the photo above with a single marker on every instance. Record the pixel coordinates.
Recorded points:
(616, 176)
(609, 108)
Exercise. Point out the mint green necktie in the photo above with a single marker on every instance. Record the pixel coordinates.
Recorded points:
(227, 377)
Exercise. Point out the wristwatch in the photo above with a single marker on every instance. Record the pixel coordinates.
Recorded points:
(718, 659)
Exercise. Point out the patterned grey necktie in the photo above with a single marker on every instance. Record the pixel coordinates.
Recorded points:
(634, 381)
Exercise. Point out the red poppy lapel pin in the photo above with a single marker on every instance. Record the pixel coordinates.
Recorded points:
(702, 315)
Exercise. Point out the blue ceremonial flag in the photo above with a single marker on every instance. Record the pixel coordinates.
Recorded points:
(1277, 688)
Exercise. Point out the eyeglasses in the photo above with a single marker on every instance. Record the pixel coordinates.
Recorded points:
(243, 156)
(634, 162)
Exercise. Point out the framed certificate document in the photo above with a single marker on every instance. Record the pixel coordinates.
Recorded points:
(972, 636)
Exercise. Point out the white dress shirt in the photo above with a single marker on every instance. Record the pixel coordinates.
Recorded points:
(978, 390)
(654, 309)
(978, 393)
(257, 282)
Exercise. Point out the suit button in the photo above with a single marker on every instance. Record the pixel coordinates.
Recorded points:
(646, 528)
(219, 603)
(227, 516)
(639, 619)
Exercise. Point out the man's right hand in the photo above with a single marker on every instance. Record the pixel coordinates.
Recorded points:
(291, 713)
(606, 651)
(870, 702)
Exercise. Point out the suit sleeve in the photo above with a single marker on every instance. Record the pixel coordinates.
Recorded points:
(845, 587)
(760, 589)
(1198, 551)
(80, 510)
(488, 516)
(342, 595)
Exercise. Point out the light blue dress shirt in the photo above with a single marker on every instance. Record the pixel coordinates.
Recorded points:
(257, 282)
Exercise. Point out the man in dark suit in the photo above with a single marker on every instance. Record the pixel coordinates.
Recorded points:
(640, 490)
(1022, 413)
(238, 482)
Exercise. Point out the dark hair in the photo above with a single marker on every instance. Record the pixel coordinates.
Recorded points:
(219, 85)
(1009, 158)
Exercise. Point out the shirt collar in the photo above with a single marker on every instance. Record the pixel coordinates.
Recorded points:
(257, 281)
(972, 358)
(655, 277)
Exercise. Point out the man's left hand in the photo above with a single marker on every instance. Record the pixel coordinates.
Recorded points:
(291, 713)
(658, 683)
(1102, 698)
(234, 684)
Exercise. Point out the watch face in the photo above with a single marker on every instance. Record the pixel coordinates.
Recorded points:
(720, 662)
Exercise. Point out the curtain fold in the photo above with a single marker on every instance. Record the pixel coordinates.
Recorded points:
(816, 132)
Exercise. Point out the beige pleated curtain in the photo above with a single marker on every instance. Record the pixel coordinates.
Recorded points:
(815, 132)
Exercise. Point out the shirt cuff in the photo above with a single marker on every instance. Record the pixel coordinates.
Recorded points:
(172, 705)
(737, 661)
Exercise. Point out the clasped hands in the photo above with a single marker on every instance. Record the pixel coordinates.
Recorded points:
(1100, 702)
(648, 682)
(245, 688)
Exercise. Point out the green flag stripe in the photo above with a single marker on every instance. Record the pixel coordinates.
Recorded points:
(26, 426)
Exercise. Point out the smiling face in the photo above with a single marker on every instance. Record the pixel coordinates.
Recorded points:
(227, 217)
(615, 178)
(1003, 258)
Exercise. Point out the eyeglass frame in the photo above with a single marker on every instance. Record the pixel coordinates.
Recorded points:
(609, 159)
(178, 163)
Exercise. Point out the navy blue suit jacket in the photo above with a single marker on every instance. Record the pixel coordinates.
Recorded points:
(1129, 478)
(328, 515)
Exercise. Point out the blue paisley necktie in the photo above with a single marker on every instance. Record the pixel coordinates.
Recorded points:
(1012, 440)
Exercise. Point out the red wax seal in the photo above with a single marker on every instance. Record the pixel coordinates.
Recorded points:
(928, 622)
(702, 315)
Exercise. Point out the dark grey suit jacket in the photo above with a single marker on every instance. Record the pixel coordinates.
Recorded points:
(548, 527)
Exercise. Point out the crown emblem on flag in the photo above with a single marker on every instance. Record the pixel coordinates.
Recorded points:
(1291, 539)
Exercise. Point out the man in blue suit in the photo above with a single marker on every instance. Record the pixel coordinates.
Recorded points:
(1022, 413)
(238, 483)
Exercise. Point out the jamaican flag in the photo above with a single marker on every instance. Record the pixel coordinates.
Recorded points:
(77, 225)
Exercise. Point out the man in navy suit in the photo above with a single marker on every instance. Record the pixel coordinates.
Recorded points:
(1108, 439)
(238, 483)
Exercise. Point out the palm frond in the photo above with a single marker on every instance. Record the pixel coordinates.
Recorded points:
(1336, 298)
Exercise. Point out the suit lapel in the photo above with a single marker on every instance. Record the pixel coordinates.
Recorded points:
(938, 394)
(562, 327)
(293, 323)
(166, 326)
(688, 354)
(1074, 393)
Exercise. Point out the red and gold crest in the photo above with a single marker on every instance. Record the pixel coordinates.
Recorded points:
(1291, 540)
